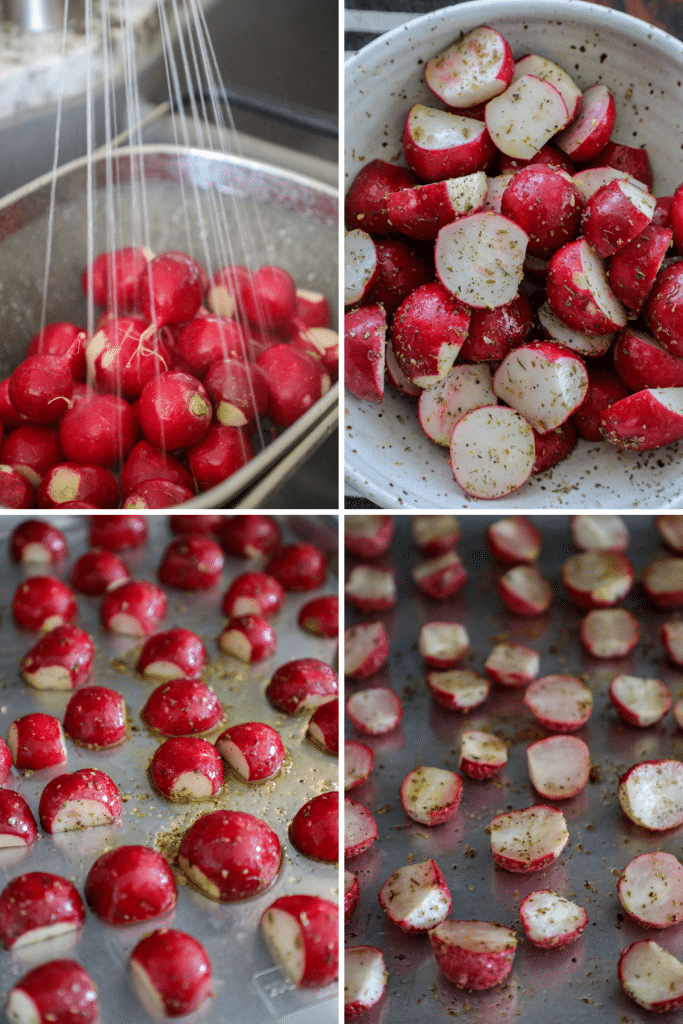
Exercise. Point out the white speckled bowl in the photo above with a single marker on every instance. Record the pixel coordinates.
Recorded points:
(388, 458)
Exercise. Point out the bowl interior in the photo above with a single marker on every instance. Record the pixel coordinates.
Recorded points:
(388, 458)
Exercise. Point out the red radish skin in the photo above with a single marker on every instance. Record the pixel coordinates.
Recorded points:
(360, 828)
(313, 309)
(478, 434)
(370, 589)
(364, 352)
(5, 761)
(642, 362)
(43, 602)
(525, 591)
(663, 582)
(169, 291)
(616, 214)
(31, 451)
(59, 990)
(482, 755)
(443, 644)
(195, 524)
(301, 933)
(558, 766)
(604, 388)
(230, 855)
(400, 271)
(529, 839)
(440, 577)
(416, 897)
(435, 535)
(294, 382)
(15, 489)
(253, 593)
(554, 446)
(634, 162)
(365, 202)
(578, 290)
(250, 536)
(270, 298)
(359, 760)
(219, 454)
(298, 567)
(38, 906)
(96, 717)
(171, 973)
(458, 690)
(186, 768)
(238, 392)
(130, 884)
(635, 266)
(554, 220)
(121, 357)
(511, 664)
(60, 660)
(36, 741)
(182, 707)
(192, 562)
(81, 799)
(40, 389)
(175, 411)
(590, 131)
(641, 702)
(209, 339)
(65, 341)
(144, 462)
(157, 493)
(113, 277)
(365, 979)
(253, 750)
(36, 543)
(473, 954)
(323, 727)
(314, 829)
(422, 211)
(597, 579)
(375, 711)
(17, 825)
(173, 654)
(514, 540)
(438, 145)
(475, 68)
(661, 308)
(651, 977)
(249, 638)
(464, 388)
(651, 794)
(550, 920)
(581, 343)
(558, 702)
(100, 431)
(224, 293)
(70, 481)
(117, 533)
(427, 333)
(609, 632)
(320, 616)
(302, 684)
(493, 332)
(135, 608)
(368, 536)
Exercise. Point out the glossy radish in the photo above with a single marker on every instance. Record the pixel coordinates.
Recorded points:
(38, 906)
(136, 608)
(31, 451)
(651, 977)
(169, 291)
(43, 602)
(365, 979)
(551, 920)
(36, 741)
(182, 707)
(473, 954)
(359, 760)
(186, 768)
(171, 973)
(253, 750)
(192, 562)
(173, 654)
(440, 577)
(34, 542)
(175, 411)
(561, 703)
(320, 616)
(430, 796)
(302, 684)
(130, 884)
(80, 799)
(230, 855)
(301, 933)
(323, 727)
(40, 389)
(650, 889)
(525, 591)
(416, 897)
(97, 718)
(314, 829)
(55, 991)
(60, 660)
(17, 825)
(71, 481)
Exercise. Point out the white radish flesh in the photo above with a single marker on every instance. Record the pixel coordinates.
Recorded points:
(473, 954)
(365, 979)
(375, 711)
(543, 382)
(641, 702)
(529, 839)
(458, 689)
(492, 452)
(609, 632)
(512, 664)
(650, 889)
(360, 828)
(482, 754)
(472, 70)
(441, 644)
(551, 920)
(360, 265)
(416, 897)
(651, 794)
(430, 796)
(548, 71)
(525, 116)
(359, 761)
(651, 976)
(480, 259)
(599, 533)
(464, 388)
(558, 766)
(560, 703)
(576, 341)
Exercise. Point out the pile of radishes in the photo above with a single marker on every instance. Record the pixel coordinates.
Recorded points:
(180, 374)
(510, 829)
(519, 279)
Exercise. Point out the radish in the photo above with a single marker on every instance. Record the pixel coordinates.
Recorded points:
(249, 536)
(253, 750)
(493, 332)
(17, 825)
(589, 132)
(427, 332)
(171, 973)
(175, 411)
(359, 761)
(130, 884)
(548, 71)
(633, 161)
(368, 536)
(230, 855)
(609, 632)
(36, 741)
(224, 294)
(81, 799)
(479, 259)
(482, 755)
(295, 382)
(269, 299)
(514, 540)
(121, 357)
(320, 616)
(435, 535)
(186, 768)
(100, 431)
(441, 576)
(97, 718)
(416, 897)
(663, 582)
(651, 977)
(312, 308)
(5, 761)
(478, 66)
(192, 562)
(473, 954)
(365, 979)
(364, 357)
(169, 291)
(615, 215)
(36, 543)
(579, 342)
(301, 933)
(370, 589)
(438, 145)
(114, 277)
(208, 340)
(302, 685)
(642, 362)
(526, 116)
(546, 204)
(196, 523)
(671, 634)
(298, 567)
(604, 389)
(551, 920)
(529, 839)
(597, 579)
(442, 644)
(351, 894)
(314, 829)
(578, 291)
(135, 608)
(156, 493)
(512, 664)
(60, 660)
(422, 211)
(635, 266)
(561, 703)
(323, 344)
(70, 481)
(458, 689)
(219, 454)
(323, 727)
(599, 533)
(238, 392)
(365, 202)
(375, 711)
(360, 266)
(366, 650)
(662, 305)
(525, 591)
(15, 489)
(558, 766)
(477, 440)
(31, 451)
(651, 794)
(639, 701)
(65, 341)
(548, 155)
(360, 828)
(173, 654)
(544, 382)
(650, 890)
(38, 906)
(56, 991)
(43, 602)
(40, 389)
(442, 404)
(431, 796)
(144, 462)
(117, 532)
(182, 707)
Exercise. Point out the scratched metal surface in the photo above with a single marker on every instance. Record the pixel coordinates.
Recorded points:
(578, 983)
(248, 988)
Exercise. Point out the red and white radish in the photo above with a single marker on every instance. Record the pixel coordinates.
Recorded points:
(269, 298)
(42, 603)
(365, 979)
(249, 638)
(249, 536)
(323, 727)
(219, 454)
(416, 897)
(145, 463)
(529, 839)
(551, 920)
(230, 855)
(182, 707)
(431, 796)
(441, 576)
(579, 293)
(56, 991)
(599, 533)
(609, 632)
(130, 884)
(253, 593)
(422, 211)
(171, 973)
(525, 591)
(186, 768)
(253, 750)
(365, 202)
(34, 542)
(526, 116)
(60, 660)
(638, 701)
(81, 799)
(615, 215)
(70, 481)
(301, 933)
(670, 529)
(544, 382)
(579, 342)
(298, 567)
(175, 411)
(561, 703)
(36, 741)
(438, 144)
(514, 540)
(541, 67)
(651, 977)
(478, 439)
(478, 66)
(95, 572)
(597, 579)
(663, 582)
(512, 664)
(435, 535)
(473, 954)
(100, 430)
(351, 894)
(38, 906)
(427, 333)
(192, 562)
(651, 794)
(458, 689)
(360, 828)
(314, 829)
(482, 755)
(17, 825)
(546, 204)
(366, 650)
(370, 588)
(633, 269)
(375, 711)
(170, 289)
(368, 536)
(493, 332)
(671, 634)
(173, 654)
(479, 259)
(662, 307)
(302, 685)
(359, 760)
(464, 388)
(604, 389)
(558, 766)
(589, 132)
(650, 889)
(365, 332)
(97, 718)
(442, 644)
(134, 609)
(40, 388)
(320, 616)
(294, 382)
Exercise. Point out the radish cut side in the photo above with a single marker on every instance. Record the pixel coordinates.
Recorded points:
(560, 703)
(651, 977)
(599, 533)
(360, 268)
(548, 71)
(459, 689)
(639, 701)
(528, 840)
(482, 754)
(360, 828)
(651, 889)
(597, 579)
(525, 117)
(441, 644)
(672, 638)
(514, 540)
(512, 664)
(651, 794)
(558, 766)
(365, 979)
(551, 920)
(375, 711)
(577, 341)
(431, 796)
(359, 761)
(472, 70)
(480, 259)
(670, 529)
(416, 897)
(543, 382)
(466, 387)
(492, 452)
(609, 632)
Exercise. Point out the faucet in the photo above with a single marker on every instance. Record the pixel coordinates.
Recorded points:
(42, 15)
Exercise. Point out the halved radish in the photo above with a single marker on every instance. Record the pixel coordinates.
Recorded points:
(599, 533)
(55, 991)
(597, 579)
(551, 920)
(36, 741)
(81, 799)
(514, 539)
(560, 703)
(650, 889)
(97, 718)
(578, 291)
(301, 933)
(365, 202)
(609, 632)
(671, 634)
(360, 828)
(422, 211)
(458, 689)
(589, 179)
(320, 616)
(639, 701)
(302, 685)
(173, 654)
(186, 768)
(359, 760)
(480, 259)
(492, 451)
(442, 644)
(253, 593)
(529, 839)
(438, 144)
(351, 894)
(615, 215)
(249, 638)
(375, 711)
(663, 305)
(579, 342)
(360, 266)
(526, 116)
(547, 204)
(633, 269)
(323, 727)
(648, 419)
(663, 582)
(60, 660)
(541, 67)
(431, 796)
(230, 855)
(512, 664)
(314, 829)
(368, 536)
(544, 382)
(366, 649)
(651, 976)
(365, 331)
(17, 825)
(482, 754)
(441, 576)
(558, 766)
(493, 332)
(427, 332)
(130, 884)
(651, 794)
(478, 66)
(464, 388)
(38, 906)
(370, 588)
(416, 897)
(473, 954)
(171, 973)
(604, 389)
(592, 127)
(365, 979)
(670, 529)
(525, 591)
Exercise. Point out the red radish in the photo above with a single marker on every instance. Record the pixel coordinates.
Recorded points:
(249, 536)
(186, 768)
(365, 202)
(671, 634)
(589, 133)
(135, 608)
(442, 644)
(441, 576)
(473, 954)
(370, 589)
(230, 855)
(551, 920)
(648, 419)
(558, 766)
(651, 794)
(529, 839)
(171, 973)
(224, 294)
(435, 535)
(472, 70)
(36, 543)
(599, 533)
(238, 392)
(482, 755)
(365, 979)
(31, 451)
(366, 650)
(118, 532)
(114, 277)
(219, 454)
(525, 591)
(314, 829)
(368, 536)
(548, 155)
(169, 291)
(561, 703)
(17, 825)
(360, 828)
(650, 890)
(663, 582)
(364, 344)
(609, 632)
(96, 717)
(416, 897)
(208, 340)
(483, 431)
(182, 707)
(192, 562)
(323, 343)
(121, 357)
(312, 308)
(642, 362)
(253, 593)
(144, 462)
(43, 602)
(359, 761)
(555, 446)
(320, 616)
(427, 332)
(130, 884)
(544, 382)
(60, 660)
(604, 388)
(458, 689)
(270, 298)
(301, 933)
(438, 145)
(70, 481)
(635, 266)
(100, 431)
(578, 291)
(635, 162)
(479, 259)
(174, 654)
(360, 266)
(36, 741)
(195, 523)
(597, 579)
(662, 307)
(651, 977)
(15, 489)
(422, 211)
(375, 711)
(56, 992)
(514, 540)
(38, 906)
(615, 215)
(301, 685)
(253, 749)
(554, 220)
(396, 377)
(639, 701)
(493, 332)
(65, 341)
(81, 799)
(156, 493)
(5, 761)
(175, 411)
(526, 116)
(464, 388)
(431, 796)
(298, 567)
(323, 727)
(541, 67)
(512, 664)
(351, 894)
(40, 389)
(294, 381)
(581, 343)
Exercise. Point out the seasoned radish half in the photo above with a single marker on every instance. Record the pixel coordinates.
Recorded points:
(359, 760)
(17, 824)
(187, 768)
(314, 830)
(230, 855)
(663, 582)
(38, 906)
(435, 535)
(473, 954)
(366, 649)
(671, 634)
(173, 654)
(528, 840)
(590, 130)
(597, 579)
(464, 388)
(416, 897)
(323, 727)
(558, 766)
(650, 889)
(365, 332)
(650, 418)
(96, 717)
(302, 685)
(651, 794)
(670, 529)
(512, 664)
(422, 211)
(365, 979)
(56, 992)
(252, 749)
(639, 701)
(492, 452)
(544, 382)
(439, 145)
(427, 333)
(458, 689)
(60, 660)
(548, 71)
(525, 591)
(130, 884)
(441, 644)
(368, 536)
(480, 259)
(482, 755)
(171, 973)
(514, 540)
(370, 588)
(475, 68)
(375, 711)
(579, 293)
(651, 977)
(560, 703)
(579, 342)
(360, 266)
(36, 741)
(360, 828)
(599, 533)
(609, 632)
(441, 576)
(81, 799)
(526, 116)
(430, 796)
(551, 920)
(301, 933)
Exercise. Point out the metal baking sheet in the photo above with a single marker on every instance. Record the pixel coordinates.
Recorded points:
(249, 989)
(577, 983)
